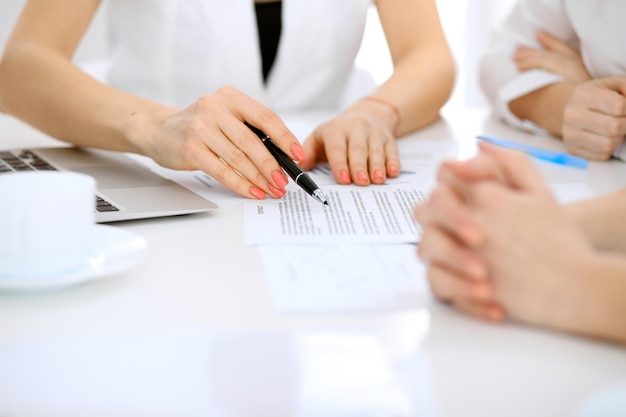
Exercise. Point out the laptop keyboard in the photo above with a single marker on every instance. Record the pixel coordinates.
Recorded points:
(29, 161)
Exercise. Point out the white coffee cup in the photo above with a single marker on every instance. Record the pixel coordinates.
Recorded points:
(46, 223)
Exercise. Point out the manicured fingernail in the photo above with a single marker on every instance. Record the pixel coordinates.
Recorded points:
(471, 235)
(362, 176)
(476, 269)
(482, 292)
(280, 178)
(393, 170)
(297, 152)
(276, 191)
(496, 314)
(378, 175)
(344, 177)
(257, 193)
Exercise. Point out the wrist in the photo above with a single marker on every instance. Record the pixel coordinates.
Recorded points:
(142, 127)
(599, 219)
(545, 106)
(568, 305)
(603, 302)
(383, 109)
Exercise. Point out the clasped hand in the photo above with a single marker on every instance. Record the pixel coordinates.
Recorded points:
(594, 116)
(498, 244)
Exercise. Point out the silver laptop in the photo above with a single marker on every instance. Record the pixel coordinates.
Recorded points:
(126, 189)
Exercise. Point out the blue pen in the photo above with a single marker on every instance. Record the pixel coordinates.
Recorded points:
(545, 155)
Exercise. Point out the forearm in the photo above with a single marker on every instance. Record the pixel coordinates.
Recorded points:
(43, 88)
(602, 309)
(602, 220)
(544, 106)
(420, 85)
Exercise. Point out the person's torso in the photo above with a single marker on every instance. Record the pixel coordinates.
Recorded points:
(175, 51)
(601, 30)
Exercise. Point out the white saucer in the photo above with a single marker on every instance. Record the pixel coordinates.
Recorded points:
(115, 250)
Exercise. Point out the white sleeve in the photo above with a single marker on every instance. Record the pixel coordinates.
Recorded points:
(620, 152)
(500, 80)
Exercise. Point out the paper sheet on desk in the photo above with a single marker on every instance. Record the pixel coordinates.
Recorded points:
(319, 279)
(334, 272)
(355, 215)
(374, 214)
(571, 191)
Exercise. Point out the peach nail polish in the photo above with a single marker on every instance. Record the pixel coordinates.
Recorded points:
(344, 177)
(470, 235)
(496, 314)
(297, 152)
(257, 193)
(276, 191)
(362, 176)
(477, 270)
(481, 292)
(378, 175)
(393, 169)
(280, 178)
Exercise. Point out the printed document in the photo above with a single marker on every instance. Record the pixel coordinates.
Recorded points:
(354, 215)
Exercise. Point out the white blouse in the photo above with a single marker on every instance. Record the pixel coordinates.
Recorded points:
(174, 51)
(597, 28)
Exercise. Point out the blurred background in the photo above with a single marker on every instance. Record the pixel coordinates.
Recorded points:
(467, 24)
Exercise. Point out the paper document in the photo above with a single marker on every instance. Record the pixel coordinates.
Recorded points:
(571, 191)
(313, 279)
(374, 214)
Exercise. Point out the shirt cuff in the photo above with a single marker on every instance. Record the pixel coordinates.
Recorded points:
(523, 84)
(620, 152)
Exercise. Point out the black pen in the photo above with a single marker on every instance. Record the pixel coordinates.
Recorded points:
(293, 170)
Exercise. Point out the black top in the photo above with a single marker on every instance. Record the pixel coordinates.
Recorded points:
(269, 23)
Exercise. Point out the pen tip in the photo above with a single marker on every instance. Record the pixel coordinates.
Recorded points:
(326, 203)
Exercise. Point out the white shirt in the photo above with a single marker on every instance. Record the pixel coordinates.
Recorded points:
(175, 51)
(597, 28)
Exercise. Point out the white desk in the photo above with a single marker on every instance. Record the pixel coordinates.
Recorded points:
(192, 329)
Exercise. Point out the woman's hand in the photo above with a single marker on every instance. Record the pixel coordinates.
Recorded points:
(539, 259)
(210, 136)
(457, 273)
(359, 144)
(557, 56)
(490, 229)
(594, 119)
(594, 112)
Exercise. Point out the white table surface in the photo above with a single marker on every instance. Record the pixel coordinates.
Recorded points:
(192, 332)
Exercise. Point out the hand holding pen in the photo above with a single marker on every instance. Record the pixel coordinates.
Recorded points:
(291, 168)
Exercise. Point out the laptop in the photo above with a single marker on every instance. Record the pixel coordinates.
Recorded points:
(126, 190)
